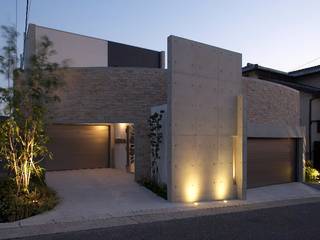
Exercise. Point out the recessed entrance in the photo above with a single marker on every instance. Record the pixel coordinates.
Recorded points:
(123, 147)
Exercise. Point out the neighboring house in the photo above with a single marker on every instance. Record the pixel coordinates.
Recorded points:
(307, 82)
(222, 133)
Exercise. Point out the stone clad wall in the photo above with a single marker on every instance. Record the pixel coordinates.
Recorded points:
(107, 95)
(271, 103)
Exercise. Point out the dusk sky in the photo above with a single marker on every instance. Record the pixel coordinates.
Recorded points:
(281, 34)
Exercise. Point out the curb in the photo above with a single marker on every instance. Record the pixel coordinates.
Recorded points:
(54, 228)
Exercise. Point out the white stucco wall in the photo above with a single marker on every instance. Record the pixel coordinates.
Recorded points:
(80, 51)
(204, 82)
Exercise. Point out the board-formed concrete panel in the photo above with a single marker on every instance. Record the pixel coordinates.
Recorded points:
(204, 82)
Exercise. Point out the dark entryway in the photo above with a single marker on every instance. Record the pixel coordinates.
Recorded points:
(316, 156)
(78, 146)
(271, 161)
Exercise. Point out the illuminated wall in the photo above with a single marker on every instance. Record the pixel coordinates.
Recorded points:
(204, 84)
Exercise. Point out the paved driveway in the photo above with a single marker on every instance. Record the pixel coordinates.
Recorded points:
(96, 193)
(107, 193)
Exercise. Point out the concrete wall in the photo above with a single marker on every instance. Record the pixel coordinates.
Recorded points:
(204, 82)
(113, 95)
(79, 50)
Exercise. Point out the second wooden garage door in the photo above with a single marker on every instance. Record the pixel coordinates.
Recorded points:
(78, 147)
(271, 161)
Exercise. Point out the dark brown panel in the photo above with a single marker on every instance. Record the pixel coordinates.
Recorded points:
(78, 146)
(122, 55)
(271, 161)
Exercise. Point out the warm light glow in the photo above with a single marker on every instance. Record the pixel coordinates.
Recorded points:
(191, 189)
(123, 125)
(195, 203)
(234, 152)
(225, 201)
(221, 190)
(191, 193)
(100, 127)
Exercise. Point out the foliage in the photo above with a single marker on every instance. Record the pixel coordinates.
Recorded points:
(312, 174)
(8, 60)
(23, 137)
(158, 188)
(22, 148)
(14, 207)
(155, 136)
(37, 88)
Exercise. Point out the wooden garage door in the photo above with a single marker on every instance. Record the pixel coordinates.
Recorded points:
(78, 147)
(271, 161)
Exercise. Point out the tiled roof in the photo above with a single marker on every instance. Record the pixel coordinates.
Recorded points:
(305, 71)
(251, 67)
(291, 77)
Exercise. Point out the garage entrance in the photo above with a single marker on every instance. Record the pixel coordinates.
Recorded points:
(78, 146)
(271, 161)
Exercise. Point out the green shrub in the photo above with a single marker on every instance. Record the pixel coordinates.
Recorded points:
(312, 174)
(15, 206)
(159, 189)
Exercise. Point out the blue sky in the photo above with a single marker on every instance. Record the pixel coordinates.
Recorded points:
(282, 34)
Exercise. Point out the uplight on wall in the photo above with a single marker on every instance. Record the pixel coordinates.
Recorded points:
(191, 189)
(221, 190)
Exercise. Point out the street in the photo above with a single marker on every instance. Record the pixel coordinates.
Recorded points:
(292, 222)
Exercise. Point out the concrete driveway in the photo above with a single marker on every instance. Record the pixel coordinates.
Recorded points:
(96, 193)
(108, 193)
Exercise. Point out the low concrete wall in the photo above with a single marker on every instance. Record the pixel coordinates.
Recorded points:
(113, 95)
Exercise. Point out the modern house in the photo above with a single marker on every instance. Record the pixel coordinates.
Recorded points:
(307, 82)
(222, 132)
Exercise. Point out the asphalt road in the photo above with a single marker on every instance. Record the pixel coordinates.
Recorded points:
(293, 222)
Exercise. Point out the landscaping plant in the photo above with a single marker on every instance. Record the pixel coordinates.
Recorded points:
(23, 138)
(312, 174)
(155, 184)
